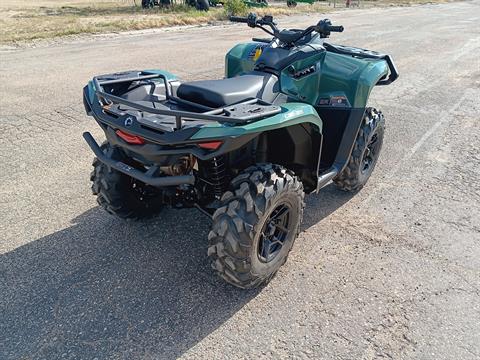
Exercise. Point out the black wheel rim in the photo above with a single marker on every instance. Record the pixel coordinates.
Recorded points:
(370, 154)
(274, 233)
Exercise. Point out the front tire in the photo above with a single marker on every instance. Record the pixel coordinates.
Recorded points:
(365, 152)
(120, 194)
(256, 225)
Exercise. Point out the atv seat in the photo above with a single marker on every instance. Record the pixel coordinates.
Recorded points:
(224, 92)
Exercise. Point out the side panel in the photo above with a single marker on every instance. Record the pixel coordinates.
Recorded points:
(340, 128)
(296, 147)
(302, 78)
(334, 123)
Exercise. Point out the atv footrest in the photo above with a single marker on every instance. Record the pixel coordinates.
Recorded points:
(146, 177)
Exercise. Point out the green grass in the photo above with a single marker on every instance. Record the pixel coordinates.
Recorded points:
(41, 19)
(47, 22)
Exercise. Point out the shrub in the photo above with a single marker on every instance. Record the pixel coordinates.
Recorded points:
(235, 7)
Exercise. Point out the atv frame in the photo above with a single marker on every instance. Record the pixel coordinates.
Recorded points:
(290, 116)
(110, 119)
(175, 120)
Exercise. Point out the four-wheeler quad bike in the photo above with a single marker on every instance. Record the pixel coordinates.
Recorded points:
(198, 4)
(293, 3)
(289, 117)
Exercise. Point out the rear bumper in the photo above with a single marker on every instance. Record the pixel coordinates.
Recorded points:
(149, 177)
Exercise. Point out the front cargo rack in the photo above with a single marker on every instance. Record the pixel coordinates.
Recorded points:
(239, 113)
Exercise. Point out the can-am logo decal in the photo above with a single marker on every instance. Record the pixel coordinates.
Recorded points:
(294, 113)
(128, 121)
(255, 52)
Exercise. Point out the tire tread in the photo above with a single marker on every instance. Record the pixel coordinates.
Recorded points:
(349, 179)
(236, 221)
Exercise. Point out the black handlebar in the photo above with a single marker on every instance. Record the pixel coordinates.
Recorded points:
(324, 28)
(238, 19)
(335, 28)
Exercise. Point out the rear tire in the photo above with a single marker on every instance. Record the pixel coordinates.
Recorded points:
(256, 225)
(148, 4)
(365, 152)
(202, 5)
(119, 194)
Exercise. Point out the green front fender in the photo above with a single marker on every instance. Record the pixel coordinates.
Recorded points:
(370, 76)
(348, 76)
(291, 114)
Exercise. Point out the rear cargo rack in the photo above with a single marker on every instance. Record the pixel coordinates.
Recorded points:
(239, 113)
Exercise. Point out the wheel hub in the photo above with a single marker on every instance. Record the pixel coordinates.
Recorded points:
(274, 233)
(369, 157)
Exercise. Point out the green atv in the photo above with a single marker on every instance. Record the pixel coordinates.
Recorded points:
(289, 118)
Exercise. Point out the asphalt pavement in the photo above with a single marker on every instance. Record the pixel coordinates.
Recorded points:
(392, 272)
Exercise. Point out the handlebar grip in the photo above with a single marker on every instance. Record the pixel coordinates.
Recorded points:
(335, 28)
(238, 19)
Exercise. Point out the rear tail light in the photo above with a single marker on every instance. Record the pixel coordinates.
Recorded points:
(129, 138)
(211, 145)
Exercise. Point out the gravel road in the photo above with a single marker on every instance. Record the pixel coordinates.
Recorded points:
(392, 272)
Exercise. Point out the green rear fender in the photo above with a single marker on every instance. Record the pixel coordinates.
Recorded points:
(291, 114)
(291, 138)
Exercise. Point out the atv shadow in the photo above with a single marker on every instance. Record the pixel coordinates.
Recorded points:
(106, 288)
(319, 206)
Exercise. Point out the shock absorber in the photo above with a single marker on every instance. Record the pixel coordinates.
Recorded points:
(217, 176)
